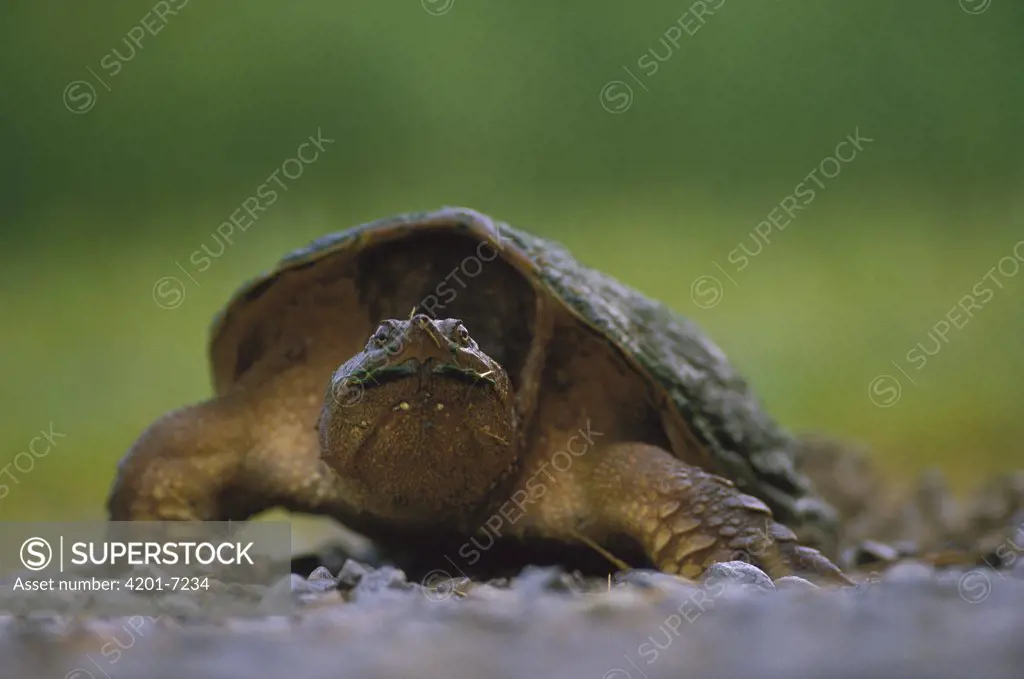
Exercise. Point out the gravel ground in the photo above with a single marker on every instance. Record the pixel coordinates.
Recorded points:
(915, 621)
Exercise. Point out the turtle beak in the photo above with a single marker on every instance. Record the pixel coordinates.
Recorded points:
(422, 322)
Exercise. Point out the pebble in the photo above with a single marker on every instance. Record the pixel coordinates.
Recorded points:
(792, 582)
(321, 580)
(536, 580)
(503, 582)
(385, 577)
(869, 553)
(909, 571)
(351, 573)
(643, 578)
(738, 572)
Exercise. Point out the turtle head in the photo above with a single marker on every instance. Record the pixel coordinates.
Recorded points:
(420, 425)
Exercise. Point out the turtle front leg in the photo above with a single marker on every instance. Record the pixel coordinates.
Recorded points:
(181, 468)
(686, 519)
(208, 462)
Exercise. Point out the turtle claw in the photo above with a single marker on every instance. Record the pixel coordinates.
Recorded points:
(686, 519)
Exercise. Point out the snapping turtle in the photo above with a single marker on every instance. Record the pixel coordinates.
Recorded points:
(525, 397)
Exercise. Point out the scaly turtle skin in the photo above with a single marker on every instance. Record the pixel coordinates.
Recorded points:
(525, 397)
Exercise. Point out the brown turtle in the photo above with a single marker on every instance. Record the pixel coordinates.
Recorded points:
(525, 397)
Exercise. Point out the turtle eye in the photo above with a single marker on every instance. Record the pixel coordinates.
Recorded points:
(462, 335)
(381, 337)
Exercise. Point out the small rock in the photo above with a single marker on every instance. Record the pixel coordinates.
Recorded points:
(385, 577)
(501, 583)
(536, 580)
(351, 573)
(643, 578)
(792, 582)
(738, 572)
(321, 580)
(909, 571)
(334, 556)
(869, 553)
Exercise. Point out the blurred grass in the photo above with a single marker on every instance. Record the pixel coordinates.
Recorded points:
(496, 107)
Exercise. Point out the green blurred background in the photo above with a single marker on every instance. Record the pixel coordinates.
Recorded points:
(498, 106)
